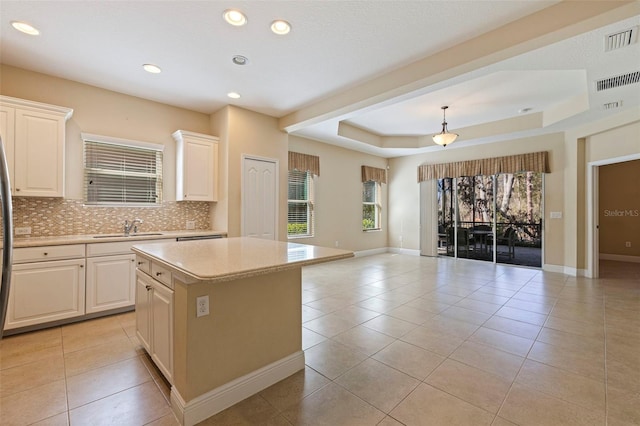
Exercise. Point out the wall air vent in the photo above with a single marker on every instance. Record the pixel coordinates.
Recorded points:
(612, 105)
(620, 39)
(617, 81)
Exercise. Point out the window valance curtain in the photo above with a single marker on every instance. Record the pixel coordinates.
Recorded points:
(530, 162)
(373, 173)
(304, 163)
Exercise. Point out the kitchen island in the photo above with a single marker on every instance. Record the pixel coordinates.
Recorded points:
(222, 318)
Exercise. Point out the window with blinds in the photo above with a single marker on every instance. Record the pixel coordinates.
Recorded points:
(300, 213)
(371, 208)
(121, 174)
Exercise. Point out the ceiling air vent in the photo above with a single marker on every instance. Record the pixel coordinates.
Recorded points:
(618, 81)
(612, 105)
(620, 39)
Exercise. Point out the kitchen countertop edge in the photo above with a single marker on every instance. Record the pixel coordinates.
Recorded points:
(247, 272)
(20, 242)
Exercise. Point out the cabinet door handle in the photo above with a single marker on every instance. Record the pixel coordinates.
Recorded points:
(140, 263)
(148, 287)
(46, 254)
(82, 266)
(158, 274)
(132, 260)
(17, 189)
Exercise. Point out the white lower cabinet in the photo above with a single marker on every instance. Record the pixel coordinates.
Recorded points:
(110, 282)
(154, 321)
(46, 291)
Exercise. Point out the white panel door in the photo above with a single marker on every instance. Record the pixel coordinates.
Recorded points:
(259, 199)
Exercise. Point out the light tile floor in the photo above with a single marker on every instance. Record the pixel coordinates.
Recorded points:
(389, 340)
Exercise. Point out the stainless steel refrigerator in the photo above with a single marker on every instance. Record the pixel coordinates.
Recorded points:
(7, 236)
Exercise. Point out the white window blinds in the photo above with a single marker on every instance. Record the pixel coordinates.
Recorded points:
(116, 174)
(300, 212)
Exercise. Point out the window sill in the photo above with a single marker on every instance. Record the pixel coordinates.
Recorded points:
(372, 230)
(297, 237)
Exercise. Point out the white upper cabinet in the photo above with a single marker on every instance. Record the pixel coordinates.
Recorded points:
(34, 137)
(196, 166)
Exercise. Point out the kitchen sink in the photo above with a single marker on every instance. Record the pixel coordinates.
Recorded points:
(139, 234)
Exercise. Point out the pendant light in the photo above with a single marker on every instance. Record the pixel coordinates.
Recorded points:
(444, 138)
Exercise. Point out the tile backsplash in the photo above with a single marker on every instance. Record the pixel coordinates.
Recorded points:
(56, 216)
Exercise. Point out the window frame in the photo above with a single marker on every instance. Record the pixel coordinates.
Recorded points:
(376, 203)
(90, 141)
(309, 203)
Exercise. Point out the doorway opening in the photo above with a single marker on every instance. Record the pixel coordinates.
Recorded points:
(613, 218)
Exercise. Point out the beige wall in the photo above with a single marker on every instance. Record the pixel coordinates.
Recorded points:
(609, 140)
(104, 112)
(243, 132)
(338, 197)
(404, 190)
(619, 208)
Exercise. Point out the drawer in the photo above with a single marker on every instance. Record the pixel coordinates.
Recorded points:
(162, 274)
(44, 253)
(107, 249)
(143, 264)
(118, 247)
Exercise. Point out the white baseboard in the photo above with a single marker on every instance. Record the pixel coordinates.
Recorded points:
(398, 250)
(216, 400)
(371, 252)
(383, 250)
(561, 269)
(620, 258)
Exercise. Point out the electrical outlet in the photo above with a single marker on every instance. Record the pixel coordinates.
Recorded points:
(337, 243)
(202, 306)
(627, 244)
(191, 224)
(24, 230)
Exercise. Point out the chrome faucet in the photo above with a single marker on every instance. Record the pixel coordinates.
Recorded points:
(128, 226)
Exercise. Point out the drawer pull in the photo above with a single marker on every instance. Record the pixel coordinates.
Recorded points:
(45, 253)
(158, 274)
(141, 263)
(148, 287)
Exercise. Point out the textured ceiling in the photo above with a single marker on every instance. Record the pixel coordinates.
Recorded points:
(333, 48)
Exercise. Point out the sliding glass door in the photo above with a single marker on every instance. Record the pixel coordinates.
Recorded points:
(519, 218)
(492, 218)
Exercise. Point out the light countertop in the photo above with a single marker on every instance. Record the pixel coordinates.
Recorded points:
(233, 258)
(107, 238)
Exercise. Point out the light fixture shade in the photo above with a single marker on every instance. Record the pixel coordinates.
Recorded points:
(445, 137)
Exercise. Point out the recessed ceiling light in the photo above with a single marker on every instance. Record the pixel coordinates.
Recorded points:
(233, 95)
(153, 69)
(23, 27)
(240, 60)
(524, 110)
(280, 27)
(235, 17)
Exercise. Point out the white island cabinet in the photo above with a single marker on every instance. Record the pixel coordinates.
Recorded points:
(196, 166)
(222, 319)
(154, 321)
(34, 136)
